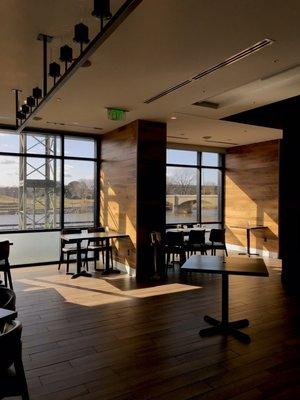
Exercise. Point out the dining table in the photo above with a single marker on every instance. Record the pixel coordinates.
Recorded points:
(248, 229)
(226, 266)
(105, 236)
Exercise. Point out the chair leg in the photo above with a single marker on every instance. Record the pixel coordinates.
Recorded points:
(111, 259)
(68, 262)
(9, 278)
(5, 279)
(61, 260)
(103, 258)
(95, 259)
(226, 252)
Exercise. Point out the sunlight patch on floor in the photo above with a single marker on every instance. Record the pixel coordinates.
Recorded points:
(91, 292)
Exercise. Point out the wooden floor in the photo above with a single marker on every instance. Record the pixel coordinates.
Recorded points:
(94, 338)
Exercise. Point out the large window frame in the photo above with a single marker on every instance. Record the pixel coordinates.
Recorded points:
(199, 166)
(62, 157)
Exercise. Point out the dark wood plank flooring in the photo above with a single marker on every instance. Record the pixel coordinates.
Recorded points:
(95, 338)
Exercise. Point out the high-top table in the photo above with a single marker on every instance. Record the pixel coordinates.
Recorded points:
(79, 237)
(226, 266)
(248, 229)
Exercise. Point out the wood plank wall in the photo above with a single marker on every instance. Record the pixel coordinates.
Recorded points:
(133, 175)
(251, 194)
(118, 195)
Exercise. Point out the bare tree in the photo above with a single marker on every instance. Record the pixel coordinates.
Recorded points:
(182, 183)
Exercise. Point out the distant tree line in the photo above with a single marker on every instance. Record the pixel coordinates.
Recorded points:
(73, 190)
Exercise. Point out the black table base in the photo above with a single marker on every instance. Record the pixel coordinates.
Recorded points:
(225, 327)
(230, 328)
(81, 273)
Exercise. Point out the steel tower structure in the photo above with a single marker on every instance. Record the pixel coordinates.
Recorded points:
(38, 186)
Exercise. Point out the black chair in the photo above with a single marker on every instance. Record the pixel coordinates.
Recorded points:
(174, 246)
(12, 374)
(158, 255)
(216, 241)
(7, 299)
(68, 249)
(196, 242)
(97, 246)
(4, 263)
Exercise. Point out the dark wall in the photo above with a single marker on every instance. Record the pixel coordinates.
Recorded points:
(151, 191)
(289, 206)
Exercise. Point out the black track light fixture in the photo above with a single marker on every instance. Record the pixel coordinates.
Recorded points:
(81, 35)
(25, 109)
(66, 55)
(102, 10)
(37, 94)
(30, 102)
(54, 71)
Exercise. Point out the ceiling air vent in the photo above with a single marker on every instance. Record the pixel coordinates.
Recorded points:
(167, 91)
(219, 142)
(73, 125)
(207, 104)
(236, 57)
(177, 137)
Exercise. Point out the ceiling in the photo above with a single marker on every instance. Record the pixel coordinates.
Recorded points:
(162, 43)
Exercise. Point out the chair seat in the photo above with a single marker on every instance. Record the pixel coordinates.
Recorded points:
(192, 246)
(97, 247)
(71, 250)
(215, 245)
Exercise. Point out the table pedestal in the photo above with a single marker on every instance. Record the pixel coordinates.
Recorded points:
(224, 326)
(248, 253)
(80, 271)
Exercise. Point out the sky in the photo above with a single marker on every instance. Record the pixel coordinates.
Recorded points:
(190, 158)
(74, 170)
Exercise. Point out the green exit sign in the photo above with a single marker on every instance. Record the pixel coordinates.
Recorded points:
(116, 114)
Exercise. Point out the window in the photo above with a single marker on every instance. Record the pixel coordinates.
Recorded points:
(194, 188)
(79, 193)
(32, 169)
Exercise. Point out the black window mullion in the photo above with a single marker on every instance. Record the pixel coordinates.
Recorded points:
(62, 196)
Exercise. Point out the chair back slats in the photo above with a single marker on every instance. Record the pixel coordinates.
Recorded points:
(4, 250)
(196, 236)
(217, 235)
(174, 238)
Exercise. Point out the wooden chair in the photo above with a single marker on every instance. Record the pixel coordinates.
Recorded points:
(68, 249)
(216, 241)
(174, 246)
(97, 246)
(196, 242)
(12, 374)
(4, 263)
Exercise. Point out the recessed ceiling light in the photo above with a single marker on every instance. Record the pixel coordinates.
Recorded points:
(206, 137)
(174, 117)
(59, 99)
